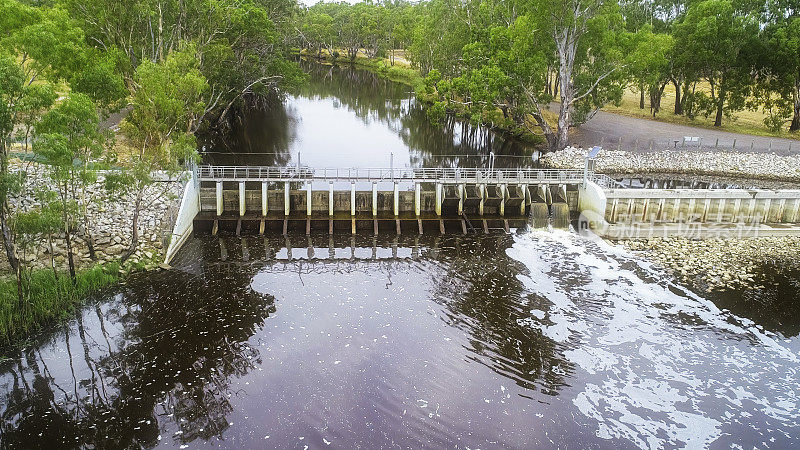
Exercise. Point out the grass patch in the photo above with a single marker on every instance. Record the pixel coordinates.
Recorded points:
(748, 121)
(48, 298)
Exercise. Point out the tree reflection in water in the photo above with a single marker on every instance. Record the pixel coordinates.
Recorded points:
(164, 349)
(268, 133)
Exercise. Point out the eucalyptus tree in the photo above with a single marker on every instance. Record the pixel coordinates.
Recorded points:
(711, 38)
(69, 141)
(648, 63)
(12, 90)
(241, 45)
(779, 90)
(166, 106)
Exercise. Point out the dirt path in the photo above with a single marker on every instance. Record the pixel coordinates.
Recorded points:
(606, 129)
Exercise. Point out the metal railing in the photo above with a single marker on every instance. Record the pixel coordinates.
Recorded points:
(438, 174)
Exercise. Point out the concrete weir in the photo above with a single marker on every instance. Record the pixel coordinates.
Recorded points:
(228, 199)
(694, 213)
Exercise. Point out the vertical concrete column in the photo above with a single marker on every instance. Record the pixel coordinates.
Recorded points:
(737, 204)
(692, 207)
(630, 210)
(219, 198)
(614, 210)
(352, 198)
(308, 199)
(482, 193)
(461, 193)
(781, 209)
(751, 213)
(396, 193)
(795, 215)
(721, 210)
(242, 199)
(374, 199)
(767, 206)
(676, 209)
(286, 199)
(330, 198)
(439, 199)
(264, 198)
(645, 209)
(660, 213)
(417, 199)
(706, 207)
(503, 189)
(524, 188)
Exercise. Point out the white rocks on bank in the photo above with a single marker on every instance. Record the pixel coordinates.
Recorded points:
(110, 221)
(765, 166)
(715, 264)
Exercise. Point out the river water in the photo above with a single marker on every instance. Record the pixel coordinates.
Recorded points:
(533, 339)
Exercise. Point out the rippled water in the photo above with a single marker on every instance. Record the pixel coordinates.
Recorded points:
(528, 340)
(534, 339)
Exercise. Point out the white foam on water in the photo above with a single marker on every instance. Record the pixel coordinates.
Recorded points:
(663, 366)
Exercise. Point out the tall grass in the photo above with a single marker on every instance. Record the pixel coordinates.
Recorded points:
(47, 298)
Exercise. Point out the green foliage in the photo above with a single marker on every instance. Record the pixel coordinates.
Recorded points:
(166, 104)
(49, 298)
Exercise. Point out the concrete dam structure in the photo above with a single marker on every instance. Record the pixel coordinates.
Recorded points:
(257, 199)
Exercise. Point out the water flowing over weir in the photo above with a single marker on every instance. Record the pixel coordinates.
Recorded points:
(525, 339)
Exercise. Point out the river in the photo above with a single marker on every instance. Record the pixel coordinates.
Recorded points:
(533, 339)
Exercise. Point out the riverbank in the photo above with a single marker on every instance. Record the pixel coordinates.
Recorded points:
(713, 264)
(720, 264)
(762, 166)
(50, 296)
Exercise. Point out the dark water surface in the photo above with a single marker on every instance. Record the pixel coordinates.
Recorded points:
(529, 340)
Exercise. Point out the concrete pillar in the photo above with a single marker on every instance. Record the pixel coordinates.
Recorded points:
(631, 207)
(242, 199)
(396, 193)
(644, 210)
(767, 206)
(781, 209)
(482, 193)
(503, 189)
(660, 213)
(795, 216)
(690, 210)
(524, 188)
(721, 210)
(219, 198)
(751, 210)
(308, 199)
(737, 205)
(417, 199)
(614, 210)
(330, 199)
(676, 209)
(374, 199)
(461, 193)
(438, 199)
(264, 198)
(706, 207)
(286, 198)
(352, 199)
